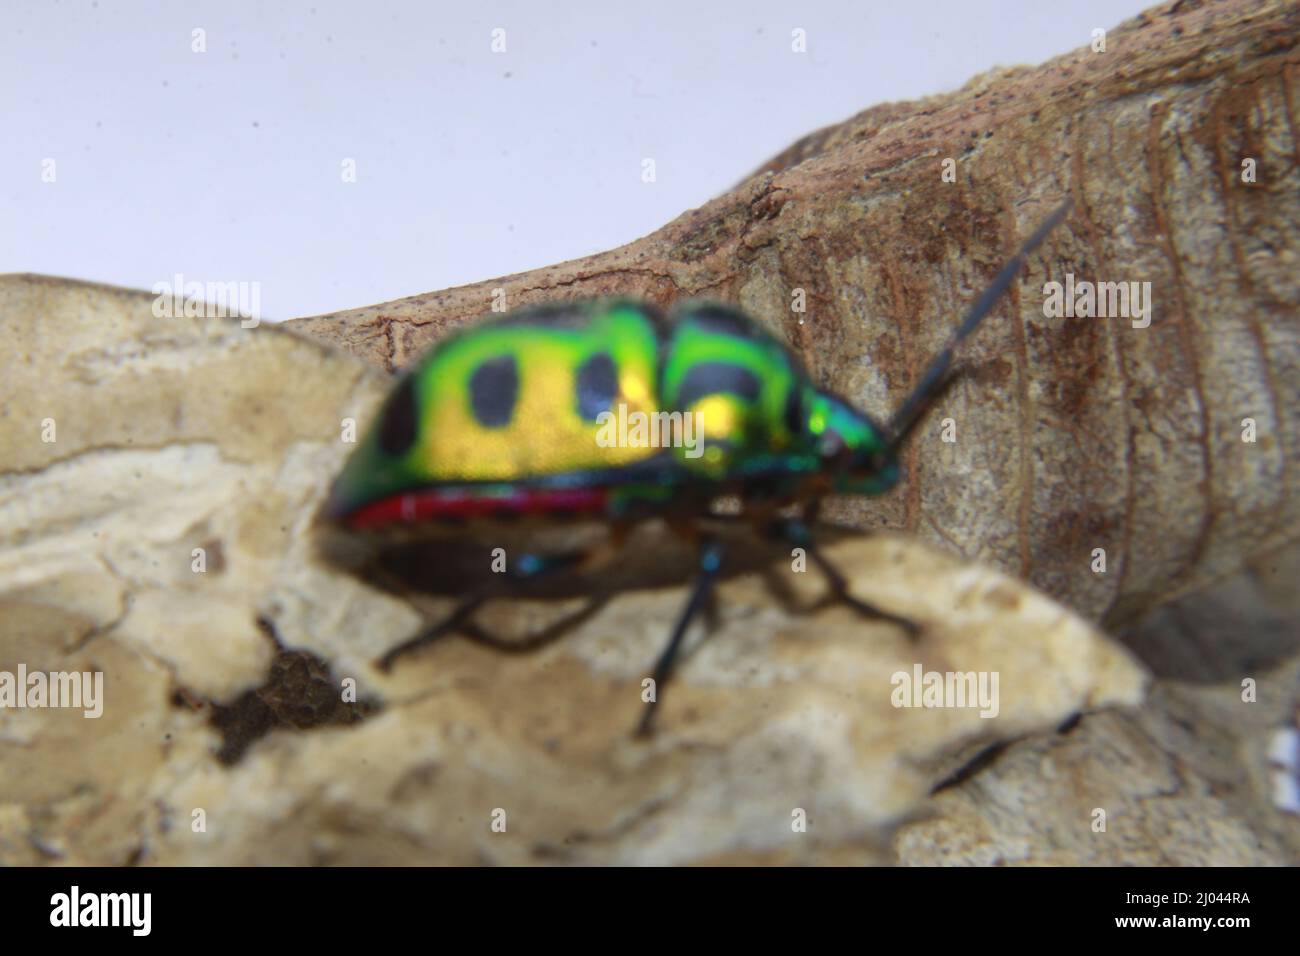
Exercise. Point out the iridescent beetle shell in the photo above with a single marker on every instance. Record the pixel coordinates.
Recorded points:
(512, 417)
(516, 415)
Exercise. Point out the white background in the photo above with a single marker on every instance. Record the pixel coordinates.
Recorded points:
(226, 165)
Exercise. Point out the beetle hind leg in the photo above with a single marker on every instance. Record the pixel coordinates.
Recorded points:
(530, 567)
(549, 633)
(454, 621)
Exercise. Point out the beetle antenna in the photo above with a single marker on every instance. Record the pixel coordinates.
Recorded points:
(909, 413)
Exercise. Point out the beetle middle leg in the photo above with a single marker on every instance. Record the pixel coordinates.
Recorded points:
(710, 563)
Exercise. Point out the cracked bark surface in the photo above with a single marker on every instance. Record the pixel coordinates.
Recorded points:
(1184, 780)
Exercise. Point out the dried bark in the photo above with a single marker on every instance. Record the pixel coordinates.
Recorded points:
(222, 688)
(224, 682)
(1072, 434)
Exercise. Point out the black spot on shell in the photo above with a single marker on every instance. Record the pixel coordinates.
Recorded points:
(712, 378)
(793, 412)
(493, 391)
(597, 384)
(398, 423)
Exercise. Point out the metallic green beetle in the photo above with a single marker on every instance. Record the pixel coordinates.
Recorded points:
(604, 409)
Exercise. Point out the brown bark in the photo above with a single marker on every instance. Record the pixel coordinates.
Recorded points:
(223, 682)
(1072, 434)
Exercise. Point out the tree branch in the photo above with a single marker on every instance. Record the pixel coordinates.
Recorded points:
(1073, 434)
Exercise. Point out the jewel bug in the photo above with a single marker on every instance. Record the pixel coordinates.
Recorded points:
(504, 420)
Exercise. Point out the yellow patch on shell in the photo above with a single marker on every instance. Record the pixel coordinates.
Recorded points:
(545, 433)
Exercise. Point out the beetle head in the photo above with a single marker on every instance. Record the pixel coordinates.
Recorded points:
(853, 451)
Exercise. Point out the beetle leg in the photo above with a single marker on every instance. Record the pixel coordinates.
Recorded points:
(797, 532)
(711, 552)
(428, 635)
(547, 634)
(530, 567)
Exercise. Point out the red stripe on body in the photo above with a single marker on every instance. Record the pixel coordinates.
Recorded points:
(430, 504)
